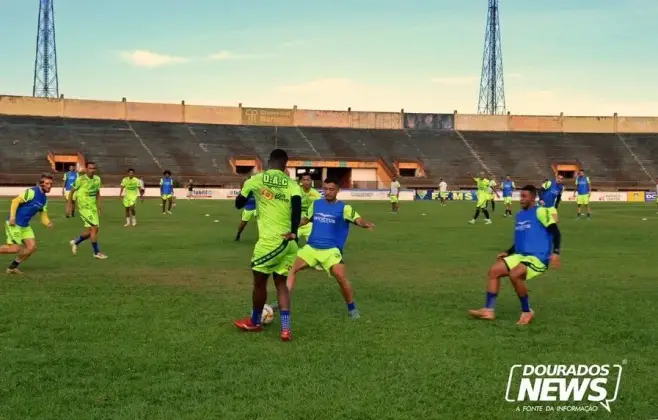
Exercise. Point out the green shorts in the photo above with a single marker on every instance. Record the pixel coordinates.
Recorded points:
(394, 198)
(247, 215)
(507, 200)
(130, 200)
(582, 199)
(166, 196)
(483, 198)
(326, 258)
(272, 258)
(443, 195)
(17, 234)
(67, 194)
(534, 267)
(305, 231)
(89, 216)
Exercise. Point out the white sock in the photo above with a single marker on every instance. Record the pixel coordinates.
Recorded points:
(134, 218)
(127, 219)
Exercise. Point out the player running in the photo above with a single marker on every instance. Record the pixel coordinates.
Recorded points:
(88, 187)
(248, 213)
(279, 209)
(20, 236)
(331, 222)
(582, 193)
(508, 188)
(493, 193)
(131, 188)
(167, 192)
(69, 179)
(443, 191)
(394, 194)
(482, 184)
(536, 244)
(309, 195)
(550, 193)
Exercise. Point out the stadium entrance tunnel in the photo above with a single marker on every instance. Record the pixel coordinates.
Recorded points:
(342, 175)
(60, 162)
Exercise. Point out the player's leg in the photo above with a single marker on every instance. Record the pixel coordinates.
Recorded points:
(86, 234)
(26, 234)
(493, 203)
(170, 203)
(126, 211)
(283, 299)
(244, 220)
(164, 204)
(518, 277)
(93, 235)
(133, 213)
(497, 271)
(299, 265)
(481, 206)
(338, 272)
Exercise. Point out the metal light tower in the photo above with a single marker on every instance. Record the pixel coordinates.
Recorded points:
(492, 86)
(46, 81)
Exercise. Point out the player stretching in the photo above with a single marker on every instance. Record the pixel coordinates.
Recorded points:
(482, 184)
(131, 188)
(331, 221)
(88, 187)
(20, 236)
(248, 213)
(443, 191)
(536, 243)
(394, 194)
(167, 192)
(508, 188)
(69, 179)
(493, 193)
(550, 193)
(309, 195)
(583, 191)
(279, 208)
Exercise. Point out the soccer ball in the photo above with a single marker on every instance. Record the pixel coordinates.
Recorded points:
(268, 315)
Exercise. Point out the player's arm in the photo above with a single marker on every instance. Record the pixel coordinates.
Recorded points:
(306, 218)
(352, 216)
(241, 199)
(64, 184)
(589, 186)
(45, 220)
(17, 201)
(296, 211)
(99, 201)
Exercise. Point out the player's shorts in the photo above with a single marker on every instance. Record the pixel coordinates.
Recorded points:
(270, 258)
(247, 215)
(490, 196)
(483, 198)
(89, 216)
(582, 199)
(507, 200)
(17, 234)
(129, 200)
(394, 199)
(67, 195)
(443, 195)
(305, 231)
(534, 267)
(166, 196)
(326, 258)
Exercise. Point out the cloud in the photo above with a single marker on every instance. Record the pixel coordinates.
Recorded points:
(145, 58)
(231, 56)
(456, 80)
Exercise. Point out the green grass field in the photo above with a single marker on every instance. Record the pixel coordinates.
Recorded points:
(148, 334)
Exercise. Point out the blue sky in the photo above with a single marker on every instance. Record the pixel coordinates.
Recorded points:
(581, 57)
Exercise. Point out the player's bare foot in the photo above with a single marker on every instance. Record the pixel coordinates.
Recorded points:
(100, 256)
(285, 335)
(14, 271)
(245, 324)
(526, 318)
(74, 247)
(483, 313)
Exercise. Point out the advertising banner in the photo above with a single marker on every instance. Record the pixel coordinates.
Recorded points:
(429, 121)
(433, 194)
(635, 196)
(268, 116)
(649, 196)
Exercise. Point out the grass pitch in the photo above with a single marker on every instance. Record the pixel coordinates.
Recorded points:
(148, 334)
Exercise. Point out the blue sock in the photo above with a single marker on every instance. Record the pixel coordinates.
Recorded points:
(256, 316)
(285, 319)
(95, 246)
(490, 300)
(525, 305)
(351, 306)
(79, 240)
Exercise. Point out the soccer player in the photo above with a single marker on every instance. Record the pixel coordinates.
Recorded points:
(167, 192)
(331, 221)
(248, 213)
(508, 189)
(130, 191)
(142, 189)
(20, 236)
(69, 179)
(279, 208)
(482, 184)
(394, 194)
(190, 190)
(549, 194)
(656, 192)
(536, 244)
(492, 190)
(443, 191)
(582, 193)
(309, 195)
(89, 207)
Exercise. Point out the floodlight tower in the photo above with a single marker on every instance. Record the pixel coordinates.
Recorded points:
(46, 81)
(492, 86)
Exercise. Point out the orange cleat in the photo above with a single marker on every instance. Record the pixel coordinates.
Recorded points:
(484, 313)
(526, 318)
(285, 335)
(245, 324)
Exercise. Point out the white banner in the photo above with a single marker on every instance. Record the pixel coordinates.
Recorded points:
(609, 196)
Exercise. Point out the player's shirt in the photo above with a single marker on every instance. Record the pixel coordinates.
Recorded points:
(69, 179)
(492, 185)
(508, 188)
(482, 185)
(552, 191)
(131, 186)
(273, 191)
(531, 237)
(308, 197)
(582, 185)
(395, 188)
(250, 205)
(443, 187)
(166, 186)
(331, 224)
(34, 201)
(87, 189)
